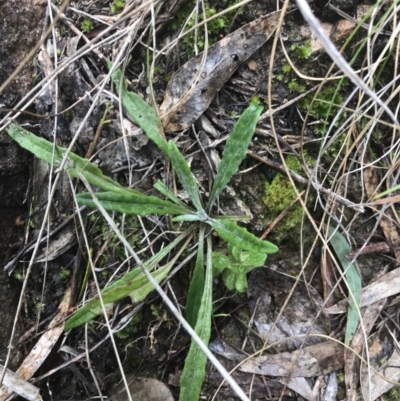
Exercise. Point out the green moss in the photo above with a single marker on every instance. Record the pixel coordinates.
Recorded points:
(117, 6)
(86, 25)
(303, 51)
(278, 195)
(156, 310)
(18, 274)
(65, 273)
(296, 87)
(288, 77)
(324, 108)
(286, 68)
(63, 30)
(393, 394)
(216, 28)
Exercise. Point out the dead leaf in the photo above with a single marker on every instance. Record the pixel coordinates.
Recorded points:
(278, 318)
(259, 387)
(300, 386)
(386, 222)
(314, 360)
(193, 87)
(386, 286)
(370, 381)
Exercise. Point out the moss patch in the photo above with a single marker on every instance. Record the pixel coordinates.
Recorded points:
(278, 195)
(393, 394)
(217, 28)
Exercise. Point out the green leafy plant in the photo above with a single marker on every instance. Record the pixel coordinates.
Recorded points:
(245, 251)
(235, 265)
(86, 25)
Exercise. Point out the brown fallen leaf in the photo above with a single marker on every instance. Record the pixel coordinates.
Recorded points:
(386, 286)
(314, 360)
(193, 87)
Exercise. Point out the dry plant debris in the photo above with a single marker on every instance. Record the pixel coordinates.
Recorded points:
(193, 87)
(356, 159)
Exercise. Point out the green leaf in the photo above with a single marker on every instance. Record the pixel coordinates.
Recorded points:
(162, 188)
(234, 280)
(235, 150)
(236, 265)
(220, 262)
(132, 280)
(196, 216)
(247, 258)
(353, 281)
(196, 287)
(137, 288)
(135, 203)
(240, 237)
(43, 149)
(184, 174)
(195, 363)
(142, 113)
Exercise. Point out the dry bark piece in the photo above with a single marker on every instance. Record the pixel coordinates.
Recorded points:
(42, 348)
(21, 386)
(193, 87)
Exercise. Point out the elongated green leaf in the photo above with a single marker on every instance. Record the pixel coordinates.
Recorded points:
(196, 287)
(353, 281)
(240, 237)
(43, 149)
(184, 174)
(195, 363)
(162, 188)
(137, 288)
(143, 114)
(132, 280)
(235, 150)
(135, 203)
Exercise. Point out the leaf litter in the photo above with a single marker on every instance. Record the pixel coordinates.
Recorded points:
(180, 111)
(192, 88)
